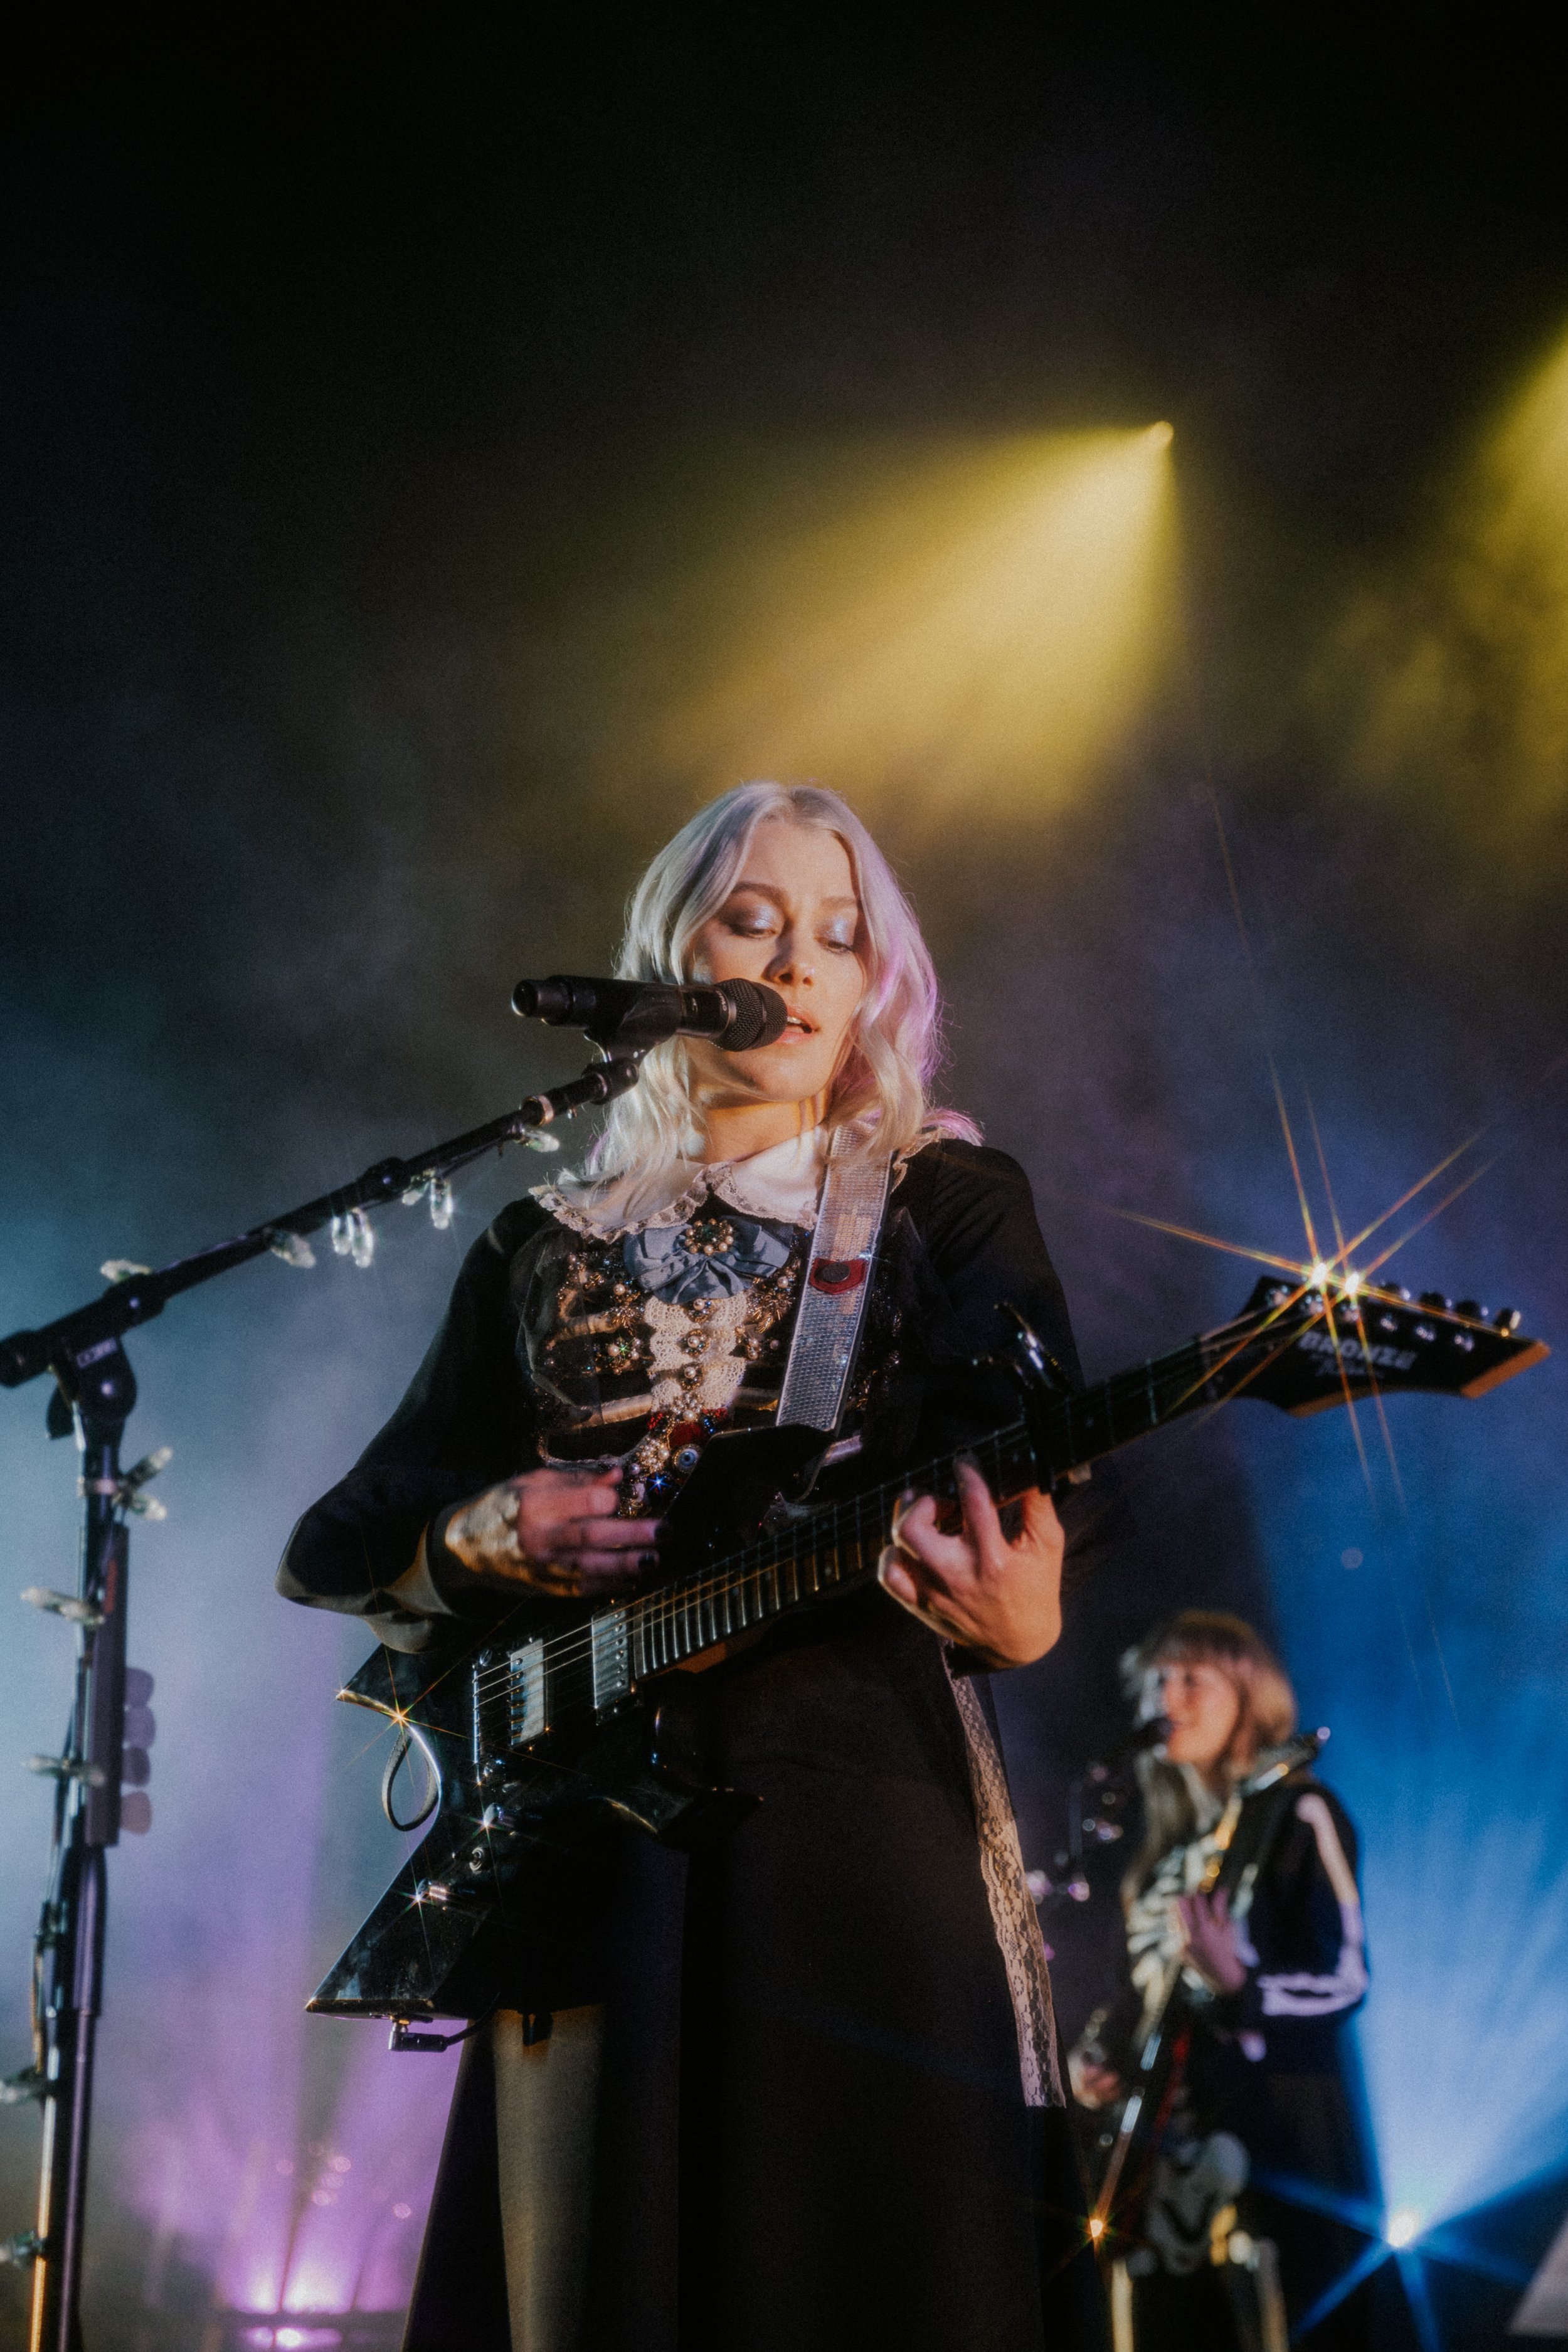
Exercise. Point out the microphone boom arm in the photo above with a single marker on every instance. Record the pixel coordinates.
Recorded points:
(95, 1392)
(60, 1346)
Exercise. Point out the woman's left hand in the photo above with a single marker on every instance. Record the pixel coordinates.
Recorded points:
(1000, 1599)
(1208, 1941)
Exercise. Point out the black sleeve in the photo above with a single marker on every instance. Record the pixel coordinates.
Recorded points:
(984, 1243)
(978, 1251)
(465, 1422)
(964, 1245)
(1306, 1946)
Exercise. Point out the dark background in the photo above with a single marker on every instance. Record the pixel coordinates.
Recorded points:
(365, 403)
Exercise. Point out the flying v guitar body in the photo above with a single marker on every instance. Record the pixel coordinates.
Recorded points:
(502, 1882)
(554, 1727)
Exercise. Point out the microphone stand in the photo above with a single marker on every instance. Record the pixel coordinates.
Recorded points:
(94, 1393)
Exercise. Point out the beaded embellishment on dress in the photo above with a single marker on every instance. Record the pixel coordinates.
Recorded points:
(696, 1307)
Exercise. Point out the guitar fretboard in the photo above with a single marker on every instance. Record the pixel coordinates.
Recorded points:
(829, 1546)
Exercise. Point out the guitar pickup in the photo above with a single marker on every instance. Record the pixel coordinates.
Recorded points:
(611, 1653)
(530, 1717)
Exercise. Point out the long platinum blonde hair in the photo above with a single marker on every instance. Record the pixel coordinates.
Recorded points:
(882, 1085)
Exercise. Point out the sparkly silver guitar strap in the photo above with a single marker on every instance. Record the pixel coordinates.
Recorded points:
(833, 1295)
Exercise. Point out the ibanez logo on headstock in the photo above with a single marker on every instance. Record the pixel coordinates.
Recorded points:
(1307, 1346)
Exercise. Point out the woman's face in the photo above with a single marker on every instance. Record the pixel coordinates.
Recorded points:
(1203, 1706)
(792, 919)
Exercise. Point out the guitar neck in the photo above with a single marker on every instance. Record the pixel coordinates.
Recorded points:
(836, 1545)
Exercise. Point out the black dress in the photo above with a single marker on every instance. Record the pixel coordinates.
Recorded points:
(820, 2123)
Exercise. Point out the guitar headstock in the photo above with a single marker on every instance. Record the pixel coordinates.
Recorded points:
(1305, 1345)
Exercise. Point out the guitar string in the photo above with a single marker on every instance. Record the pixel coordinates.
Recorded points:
(655, 1615)
(669, 1623)
(652, 1614)
(679, 1599)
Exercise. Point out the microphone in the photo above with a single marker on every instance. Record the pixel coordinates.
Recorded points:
(628, 1016)
(1142, 1736)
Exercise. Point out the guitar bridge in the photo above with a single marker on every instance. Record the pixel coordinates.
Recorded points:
(510, 1702)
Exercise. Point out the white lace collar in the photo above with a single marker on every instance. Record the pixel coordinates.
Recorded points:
(782, 1182)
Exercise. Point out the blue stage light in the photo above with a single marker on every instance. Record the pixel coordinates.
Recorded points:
(1435, 1659)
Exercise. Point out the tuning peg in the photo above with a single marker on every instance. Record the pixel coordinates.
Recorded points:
(1471, 1311)
(127, 1488)
(1435, 1301)
(1506, 1320)
(63, 1604)
(20, 2252)
(1396, 1290)
(17, 2089)
(146, 1506)
(355, 1237)
(66, 1768)
(438, 1189)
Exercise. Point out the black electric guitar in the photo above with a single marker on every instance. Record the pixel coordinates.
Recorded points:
(1243, 1838)
(553, 1725)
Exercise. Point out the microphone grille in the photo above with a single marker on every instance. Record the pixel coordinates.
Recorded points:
(758, 1018)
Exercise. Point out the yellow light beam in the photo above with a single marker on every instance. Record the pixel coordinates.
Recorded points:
(1208, 1241)
(1301, 1199)
(1422, 1222)
(1342, 1259)
(1431, 1177)
(982, 623)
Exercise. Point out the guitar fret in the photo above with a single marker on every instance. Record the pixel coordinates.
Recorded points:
(1269, 1352)
(844, 1539)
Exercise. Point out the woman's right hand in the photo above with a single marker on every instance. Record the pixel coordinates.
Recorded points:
(550, 1532)
(1093, 2085)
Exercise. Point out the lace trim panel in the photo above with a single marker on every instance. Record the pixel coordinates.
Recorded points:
(720, 1182)
(1013, 1919)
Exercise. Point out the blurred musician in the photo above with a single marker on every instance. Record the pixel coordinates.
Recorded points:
(1244, 1937)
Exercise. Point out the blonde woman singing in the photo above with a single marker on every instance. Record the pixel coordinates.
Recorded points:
(809, 2096)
